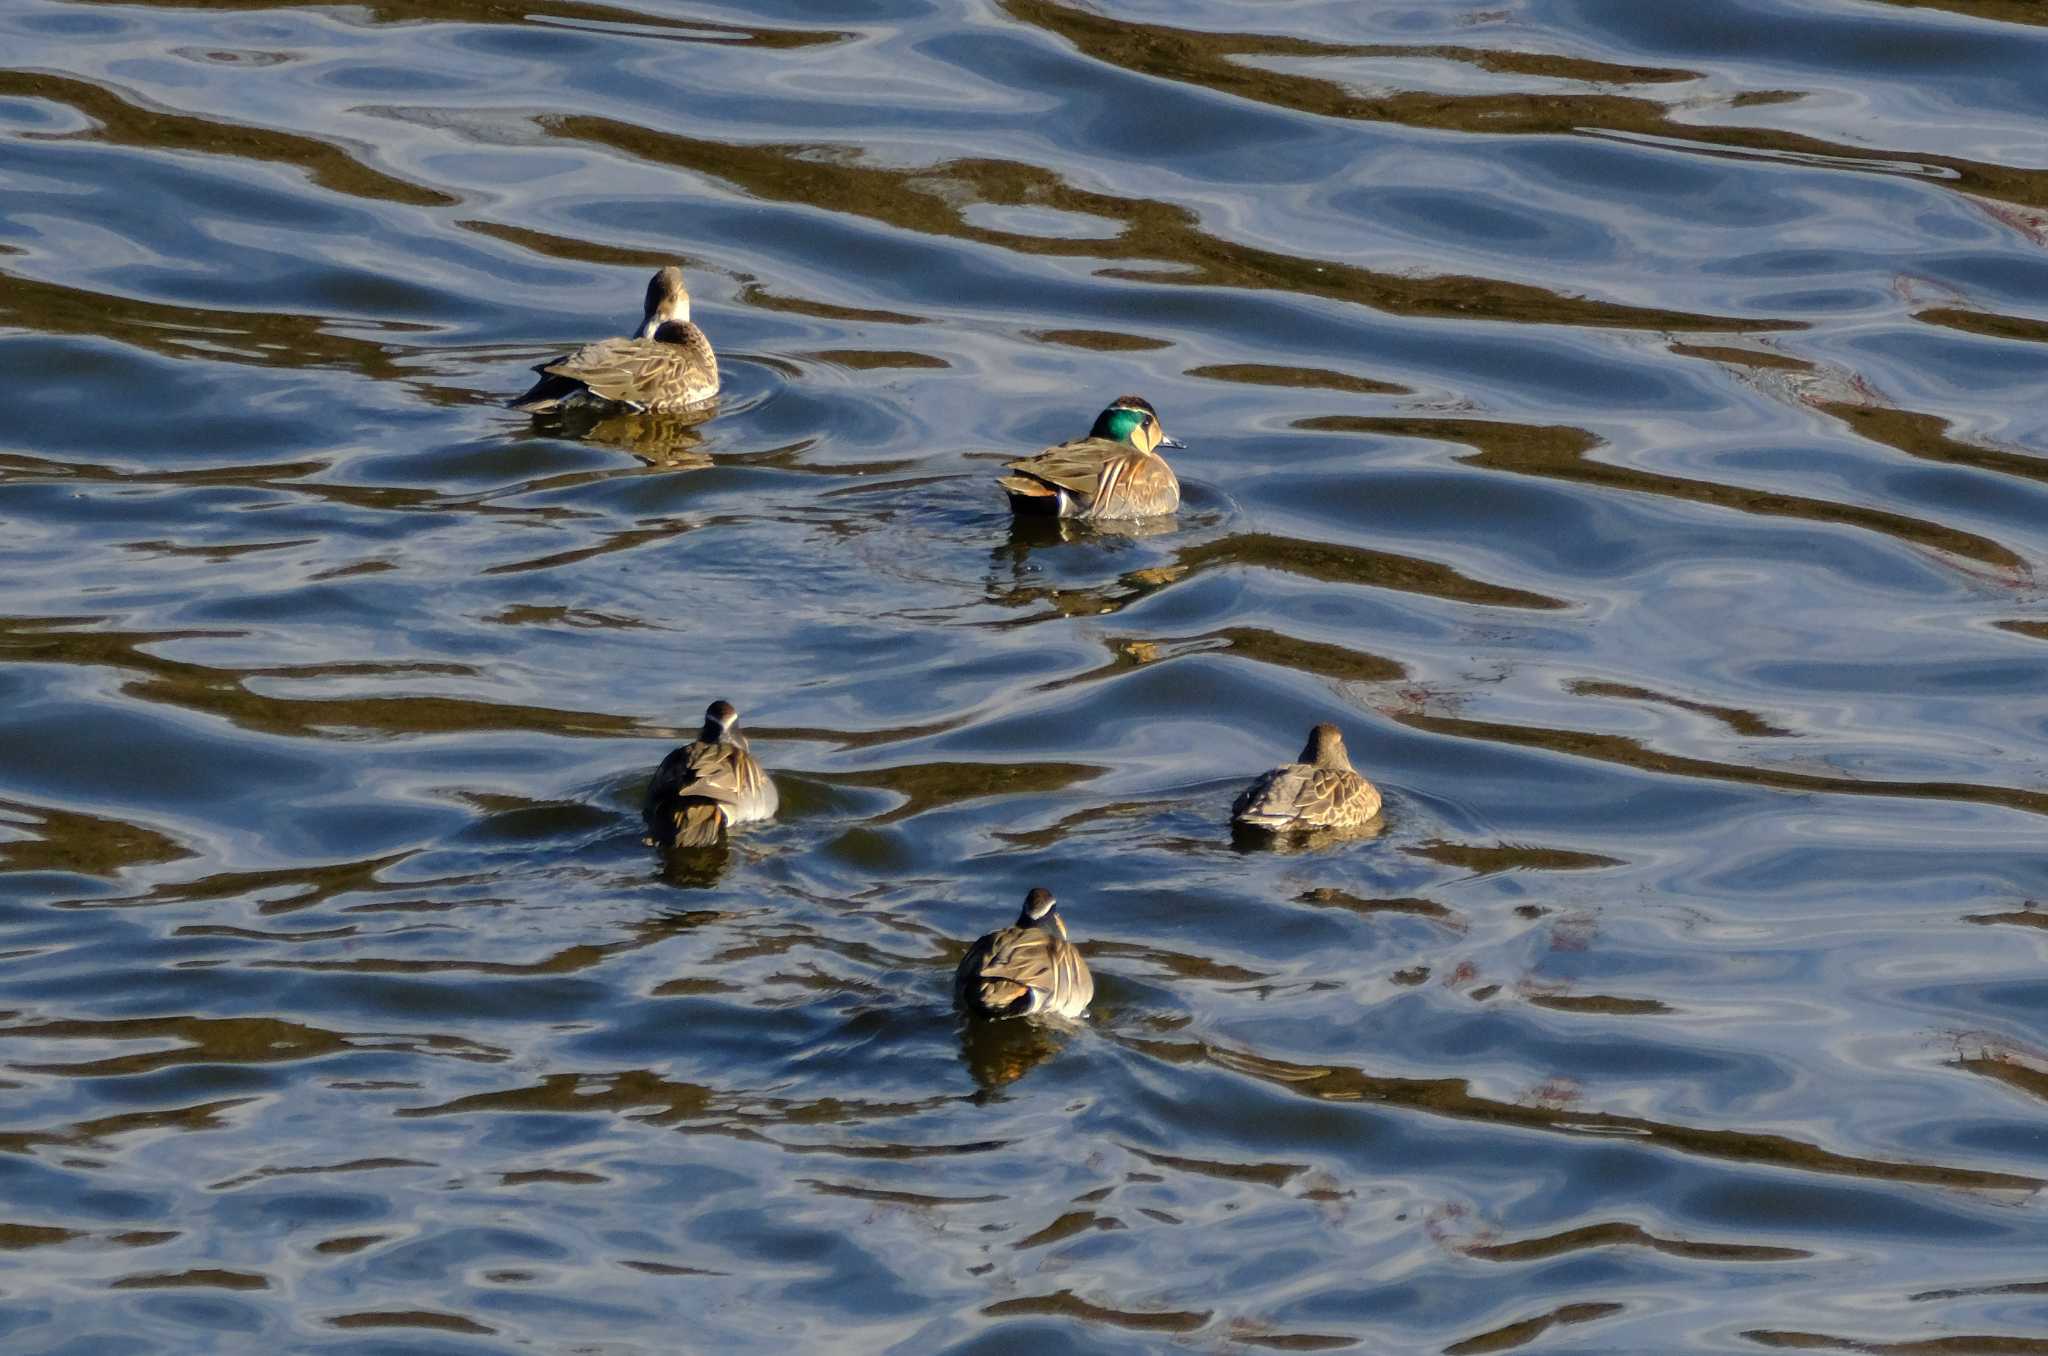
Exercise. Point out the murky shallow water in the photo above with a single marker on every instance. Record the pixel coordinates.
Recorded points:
(1627, 420)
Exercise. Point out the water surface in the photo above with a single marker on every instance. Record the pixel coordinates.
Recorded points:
(1626, 420)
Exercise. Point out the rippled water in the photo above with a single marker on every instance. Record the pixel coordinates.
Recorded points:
(1626, 419)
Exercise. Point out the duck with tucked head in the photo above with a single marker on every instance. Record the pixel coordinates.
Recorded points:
(666, 366)
(1027, 969)
(1114, 472)
(705, 787)
(1319, 792)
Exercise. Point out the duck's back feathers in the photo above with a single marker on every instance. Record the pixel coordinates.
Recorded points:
(1092, 478)
(1020, 971)
(1075, 467)
(703, 788)
(1302, 796)
(674, 370)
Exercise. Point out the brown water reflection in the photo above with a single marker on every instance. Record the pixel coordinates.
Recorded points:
(1449, 1097)
(1565, 454)
(1215, 61)
(931, 200)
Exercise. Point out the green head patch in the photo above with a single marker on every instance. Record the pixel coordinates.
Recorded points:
(1119, 425)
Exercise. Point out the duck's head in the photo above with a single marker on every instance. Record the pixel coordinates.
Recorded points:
(1325, 747)
(718, 719)
(1131, 419)
(667, 300)
(1038, 912)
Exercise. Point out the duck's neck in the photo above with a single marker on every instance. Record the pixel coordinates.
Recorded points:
(661, 319)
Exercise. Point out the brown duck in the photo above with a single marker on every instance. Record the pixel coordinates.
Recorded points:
(705, 787)
(666, 366)
(1114, 472)
(1319, 792)
(1026, 969)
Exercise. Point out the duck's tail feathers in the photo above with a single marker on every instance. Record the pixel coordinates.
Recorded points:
(1005, 997)
(548, 395)
(699, 823)
(1030, 496)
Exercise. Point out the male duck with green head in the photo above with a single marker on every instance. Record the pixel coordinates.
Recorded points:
(1114, 472)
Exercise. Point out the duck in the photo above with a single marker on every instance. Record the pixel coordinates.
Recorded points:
(1027, 969)
(665, 366)
(707, 786)
(1115, 472)
(1320, 791)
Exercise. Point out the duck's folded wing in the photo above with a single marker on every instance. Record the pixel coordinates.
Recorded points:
(628, 371)
(1298, 792)
(1074, 467)
(719, 773)
(1314, 795)
(1264, 796)
(1024, 970)
(1073, 987)
(1354, 800)
(1323, 793)
(757, 797)
(1018, 960)
(703, 771)
(1022, 954)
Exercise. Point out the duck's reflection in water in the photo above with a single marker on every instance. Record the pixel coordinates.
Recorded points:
(1032, 530)
(1244, 839)
(1015, 580)
(999, 1052)
(695, 868)
(668, 440)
